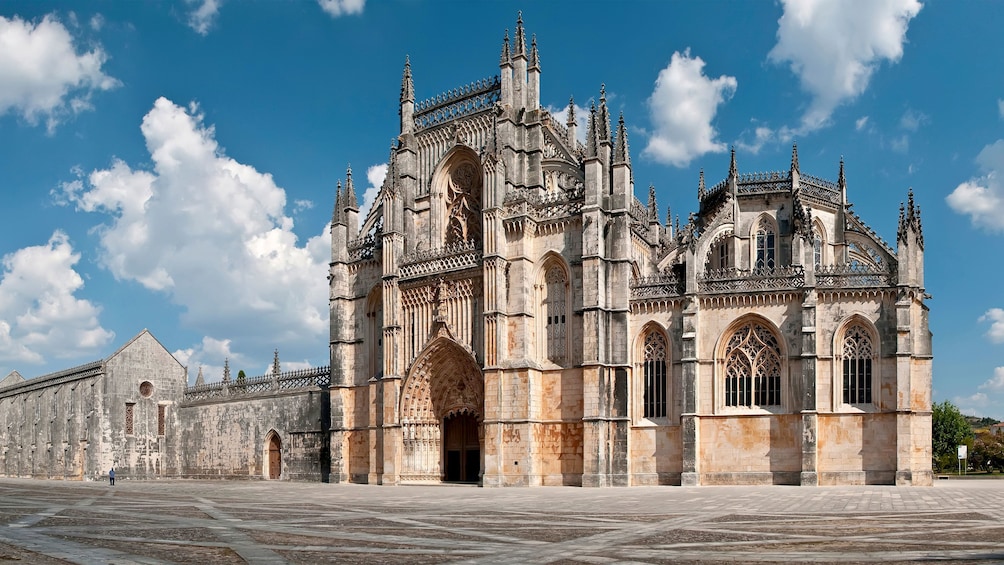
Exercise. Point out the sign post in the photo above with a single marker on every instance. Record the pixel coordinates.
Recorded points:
(963, 452)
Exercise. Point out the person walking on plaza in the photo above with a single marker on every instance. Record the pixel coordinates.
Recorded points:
(111, 476)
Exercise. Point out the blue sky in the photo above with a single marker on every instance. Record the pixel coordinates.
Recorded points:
(172, 166)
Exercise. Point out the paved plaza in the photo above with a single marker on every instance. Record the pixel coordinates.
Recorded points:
(47, 522)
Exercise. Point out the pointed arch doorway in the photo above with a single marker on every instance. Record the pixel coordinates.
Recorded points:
(442, 404)
(273, 456)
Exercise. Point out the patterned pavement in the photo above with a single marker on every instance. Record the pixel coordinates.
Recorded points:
(47, 522)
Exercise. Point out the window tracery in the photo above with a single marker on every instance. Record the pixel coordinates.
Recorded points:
(463, 193)
(817, 247)
(857, 355)
(555, 311)
(654, 373)
(765, 246)
(753, 367)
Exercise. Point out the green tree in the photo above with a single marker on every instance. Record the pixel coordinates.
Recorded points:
(949, 430)
(241, 377)
(988, 452)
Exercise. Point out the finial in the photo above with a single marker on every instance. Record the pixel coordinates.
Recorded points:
(794, 157)
(604, 116)
(653, 208)
(351, 202)
(701, 191)
(199, 379)
(622, 152)
(226, 369)
(275, 364)
(520, 37)
(591, 132)
(669, 216)
(337, 216)
(733, 170)
(571, 111)
(506, 58)
(407, 86)
(841, 180)
(534, 56)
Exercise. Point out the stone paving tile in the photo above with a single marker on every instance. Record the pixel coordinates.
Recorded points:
(279, 522)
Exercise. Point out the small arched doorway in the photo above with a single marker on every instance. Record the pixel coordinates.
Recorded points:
(273, 456)
(461, 449)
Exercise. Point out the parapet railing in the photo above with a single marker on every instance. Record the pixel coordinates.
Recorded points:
(460, 255)
(663, 285)
(314, 377)
(854, 276)
(458, 102)
(743, 280)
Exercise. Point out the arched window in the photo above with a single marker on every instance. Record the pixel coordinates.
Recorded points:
(857, 357)
(817, 247)
(765, 246)
(720, 253)
(753, 367)
(555, 311)
(654, 372)
(463, 198)
(373, 338)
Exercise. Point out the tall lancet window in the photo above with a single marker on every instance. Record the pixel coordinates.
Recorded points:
(765, 247)
(555, 311)
(857, 365)
(817, 247)
(654, 371)
(753, 367)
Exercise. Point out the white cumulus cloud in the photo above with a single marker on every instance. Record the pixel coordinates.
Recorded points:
(42, 74)
(982, 198)
(682, 107)
(202, 18)
(375, 176)
(834, 47)
(996, 318)
(995, 382)
(40, 316)
(212, 235)
(336, 8)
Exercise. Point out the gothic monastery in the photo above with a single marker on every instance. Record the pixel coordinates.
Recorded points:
(509, 313)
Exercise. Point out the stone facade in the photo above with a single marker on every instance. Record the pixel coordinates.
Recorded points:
(509, 313)
(79, 423)
(509, 304)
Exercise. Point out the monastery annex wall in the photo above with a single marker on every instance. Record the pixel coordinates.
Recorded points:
(77, 424)
(272, 426)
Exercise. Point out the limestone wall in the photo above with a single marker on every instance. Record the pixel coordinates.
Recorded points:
(228, 438)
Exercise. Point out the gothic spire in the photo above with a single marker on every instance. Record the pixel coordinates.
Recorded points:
(733, 170)
(199, 379)
(506, 58)
(534, 56)
(653, 208)
(338, 215)
(669, 217)
(407, 86)
(591, 133)
(351, 202)
(275, 364)
(604, 116)
(226, 369)
(571, 111)
(622, 151)
(519, 49)
(841, 180)
(794, 158)
(701, 191)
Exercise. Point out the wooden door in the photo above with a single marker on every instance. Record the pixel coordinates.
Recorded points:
(274, 457)
(462, 449)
